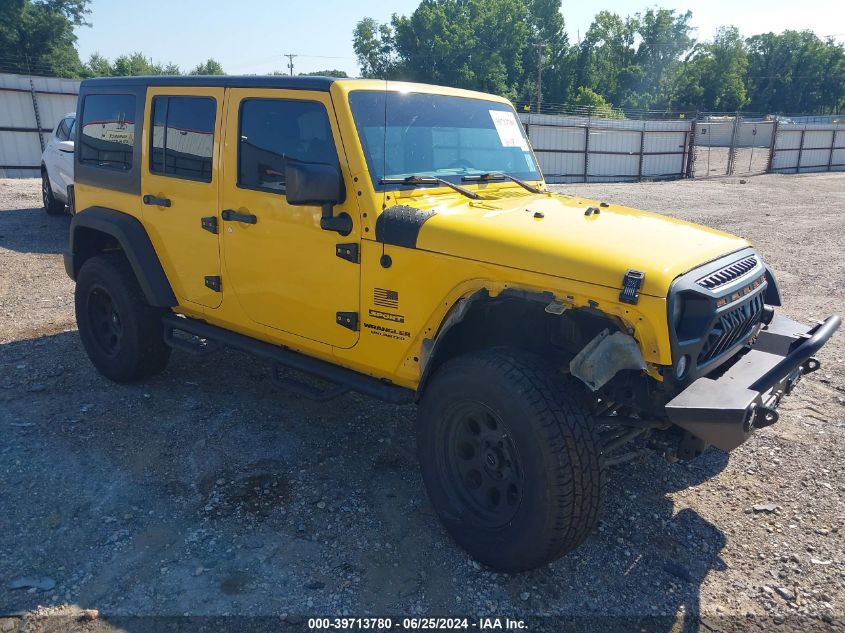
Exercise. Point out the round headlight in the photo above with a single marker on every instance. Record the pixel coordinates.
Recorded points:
(681, 366)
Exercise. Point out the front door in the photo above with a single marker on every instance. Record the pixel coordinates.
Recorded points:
(283, 267)
(179, 185)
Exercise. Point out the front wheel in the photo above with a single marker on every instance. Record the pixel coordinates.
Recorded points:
(510, 458)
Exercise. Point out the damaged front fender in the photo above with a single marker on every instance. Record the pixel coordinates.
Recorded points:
(604, 356)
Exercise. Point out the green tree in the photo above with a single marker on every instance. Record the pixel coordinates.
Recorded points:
(713, 76)
(374, 47)
(795, 72)
(326, 73)
(97, 66)
(209, 67)
(664, 37)
(37, 36)
(547, 29)
(136, 64)
(477, 44)
(595, 104)
(606, 57)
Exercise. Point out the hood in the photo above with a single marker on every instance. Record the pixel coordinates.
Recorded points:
(551, 234)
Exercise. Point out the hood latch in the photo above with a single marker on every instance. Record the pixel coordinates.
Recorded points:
(631, 282)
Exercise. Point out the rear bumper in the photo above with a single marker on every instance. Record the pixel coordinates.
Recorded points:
(724, 410)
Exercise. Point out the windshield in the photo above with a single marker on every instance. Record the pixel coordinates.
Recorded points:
(418, 134)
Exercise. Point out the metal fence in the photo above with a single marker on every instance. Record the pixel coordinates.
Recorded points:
(810, 147)
(576, 148)
(572, 144)
(725, 145)
(587, 149)
(30, 107)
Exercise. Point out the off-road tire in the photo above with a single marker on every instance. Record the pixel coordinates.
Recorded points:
(546, 430)
(51, 205)
(121, 333)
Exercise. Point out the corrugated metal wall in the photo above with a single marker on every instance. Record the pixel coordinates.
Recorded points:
(808, 148)
(20, 148)
(584, 149)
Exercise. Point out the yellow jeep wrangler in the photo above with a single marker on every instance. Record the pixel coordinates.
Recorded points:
(399, 240)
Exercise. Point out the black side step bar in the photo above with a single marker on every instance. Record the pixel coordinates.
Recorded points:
(288, 358)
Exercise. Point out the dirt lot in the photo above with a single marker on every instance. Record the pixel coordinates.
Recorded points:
(208, 491)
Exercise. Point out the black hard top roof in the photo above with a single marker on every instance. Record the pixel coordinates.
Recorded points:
(223, 81)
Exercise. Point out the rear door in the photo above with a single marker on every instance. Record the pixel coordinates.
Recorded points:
(179, 186)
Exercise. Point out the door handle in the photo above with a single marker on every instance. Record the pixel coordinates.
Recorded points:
(231, 215)
(156, 201)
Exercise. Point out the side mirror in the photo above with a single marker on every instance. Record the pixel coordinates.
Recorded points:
(66, 146)
(318, 183)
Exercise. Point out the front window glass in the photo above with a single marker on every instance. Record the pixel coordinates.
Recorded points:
(274, 130)
(405, 134)
(108, 131)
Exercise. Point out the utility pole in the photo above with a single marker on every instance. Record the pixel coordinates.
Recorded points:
(540, 46)
(290, 57)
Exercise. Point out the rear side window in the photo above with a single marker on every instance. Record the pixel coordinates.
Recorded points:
(273, 130)
(182, 140)
(108, 131)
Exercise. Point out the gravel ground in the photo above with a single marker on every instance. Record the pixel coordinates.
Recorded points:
(208, 491)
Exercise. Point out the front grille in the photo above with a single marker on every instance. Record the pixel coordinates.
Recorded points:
(728, 273)
(732, 327)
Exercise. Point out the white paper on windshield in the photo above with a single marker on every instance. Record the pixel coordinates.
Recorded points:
(509, 130)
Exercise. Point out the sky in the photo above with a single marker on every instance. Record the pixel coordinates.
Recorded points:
(251, 36)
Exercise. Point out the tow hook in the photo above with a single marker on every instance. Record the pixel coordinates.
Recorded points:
(766, 416)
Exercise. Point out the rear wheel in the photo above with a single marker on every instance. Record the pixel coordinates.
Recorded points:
(121, 333)
(51, 205)
(510, 458)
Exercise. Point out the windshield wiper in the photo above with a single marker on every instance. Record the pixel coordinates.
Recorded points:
(429, 180)
(501, 176)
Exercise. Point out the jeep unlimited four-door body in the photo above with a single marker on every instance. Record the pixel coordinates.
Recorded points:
(399, 239)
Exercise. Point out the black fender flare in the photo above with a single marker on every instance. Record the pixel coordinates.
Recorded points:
(132, 237)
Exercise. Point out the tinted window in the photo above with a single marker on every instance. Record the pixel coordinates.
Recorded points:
(272, 130)
(182, 141)
(72, 132)
(63, 131)
(108, 131)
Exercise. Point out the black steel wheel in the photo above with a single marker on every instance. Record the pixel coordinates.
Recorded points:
(51, 205)
(481, 463)
(121, 333)
(510, 457)
(106, 330)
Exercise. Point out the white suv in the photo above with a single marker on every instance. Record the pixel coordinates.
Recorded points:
(57, 167)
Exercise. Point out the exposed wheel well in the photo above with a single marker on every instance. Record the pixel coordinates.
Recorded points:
(89, 242)
(516, 320)
(96, 230)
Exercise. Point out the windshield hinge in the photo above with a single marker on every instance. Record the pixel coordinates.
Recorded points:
(348, 320)
(349, 252)
(631, 282)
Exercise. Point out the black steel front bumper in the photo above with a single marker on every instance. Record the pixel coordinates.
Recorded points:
(723, 409)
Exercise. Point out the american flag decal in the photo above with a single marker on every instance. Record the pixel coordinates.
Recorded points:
(386, 298)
